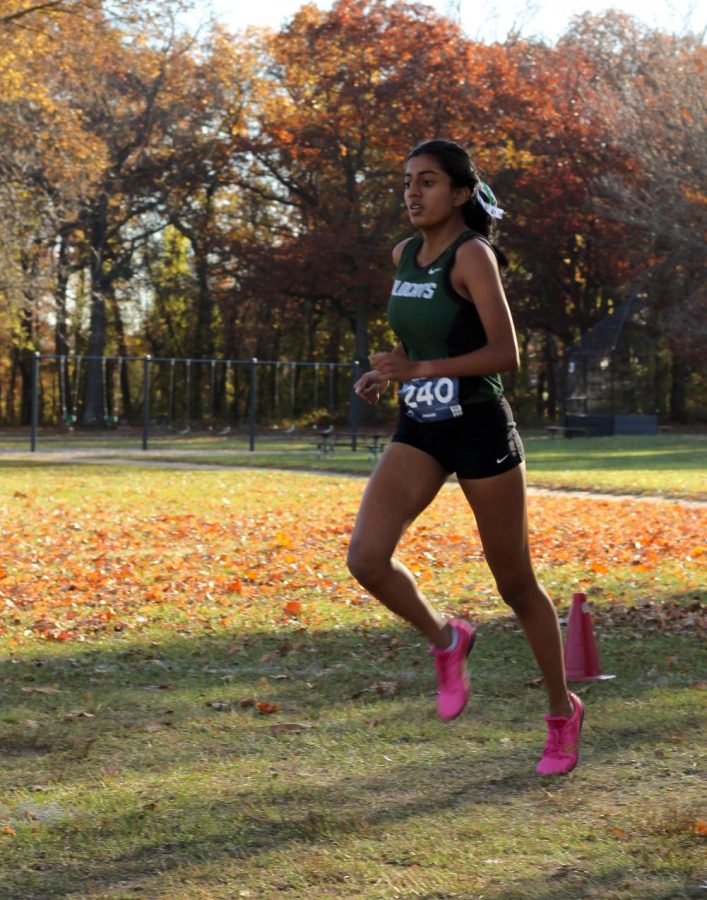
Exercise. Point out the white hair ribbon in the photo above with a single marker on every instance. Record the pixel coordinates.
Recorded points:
(488, 202)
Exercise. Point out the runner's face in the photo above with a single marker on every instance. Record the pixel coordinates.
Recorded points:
(429, 195)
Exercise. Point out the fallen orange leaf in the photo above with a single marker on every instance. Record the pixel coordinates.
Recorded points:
(137, 562)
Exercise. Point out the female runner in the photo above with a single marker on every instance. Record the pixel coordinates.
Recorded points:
(450, 314)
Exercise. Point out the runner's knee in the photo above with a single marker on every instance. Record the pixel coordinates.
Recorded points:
(518, 592)
(366, 563)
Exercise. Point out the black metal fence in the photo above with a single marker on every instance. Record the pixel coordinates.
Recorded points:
(184, 396)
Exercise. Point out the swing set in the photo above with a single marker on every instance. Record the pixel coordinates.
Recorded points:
(179, 392)
(68, 399)
(239, 395)
(110, 419)
(224, 395)
(68, 403)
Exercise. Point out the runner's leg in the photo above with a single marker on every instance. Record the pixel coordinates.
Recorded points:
(402, 485)
(499, 505)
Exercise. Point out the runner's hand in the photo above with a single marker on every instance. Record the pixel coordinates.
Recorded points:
(370, 386)
(393, 366)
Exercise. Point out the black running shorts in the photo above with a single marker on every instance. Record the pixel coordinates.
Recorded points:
(480, 443)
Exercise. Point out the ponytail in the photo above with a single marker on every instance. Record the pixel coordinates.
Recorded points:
(477, 219)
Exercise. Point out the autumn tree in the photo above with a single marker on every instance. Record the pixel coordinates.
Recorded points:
(202, 203)
(85, 117)
(45, 162)
(30, 12)
(351, 91)
(239, 195)
(650, 89)
(132, 103)
(549, 148)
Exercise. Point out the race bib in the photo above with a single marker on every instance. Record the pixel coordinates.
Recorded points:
(431, 399)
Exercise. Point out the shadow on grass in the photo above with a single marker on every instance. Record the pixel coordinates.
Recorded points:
(568, 883)
(317, 672)
(316, 677)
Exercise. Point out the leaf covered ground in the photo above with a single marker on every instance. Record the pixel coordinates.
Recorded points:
(197, 701)
(91, 552)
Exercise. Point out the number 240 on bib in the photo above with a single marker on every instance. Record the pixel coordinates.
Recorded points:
(431, 399)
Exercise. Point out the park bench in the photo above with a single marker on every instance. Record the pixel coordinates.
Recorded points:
(326, 442)
(568, 431)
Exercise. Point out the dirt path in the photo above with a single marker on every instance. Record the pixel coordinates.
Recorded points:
(111, 457)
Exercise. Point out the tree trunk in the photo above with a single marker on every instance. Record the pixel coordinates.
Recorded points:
(12, 382)
(123, 352)
(61, 329)
(203, 339)
(27, 348)
(678, 391)
(93, 394)
(26, 366)
(539, 392)
(551, 368)
(361, 351)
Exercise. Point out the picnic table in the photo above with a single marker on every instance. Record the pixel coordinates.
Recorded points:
(329, 439)
(568, 431)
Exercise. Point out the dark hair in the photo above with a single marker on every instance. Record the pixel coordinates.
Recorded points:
(457, 163)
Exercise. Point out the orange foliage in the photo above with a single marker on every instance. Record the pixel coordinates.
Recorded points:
(68, 574)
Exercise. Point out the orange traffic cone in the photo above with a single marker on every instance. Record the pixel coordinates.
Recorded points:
(581, 654)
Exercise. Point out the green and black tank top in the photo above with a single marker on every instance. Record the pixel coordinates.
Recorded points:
(433, 321)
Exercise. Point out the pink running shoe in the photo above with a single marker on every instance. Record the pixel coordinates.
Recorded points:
(452, 680)
(562, 748)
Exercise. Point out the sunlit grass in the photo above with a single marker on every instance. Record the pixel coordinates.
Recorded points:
(198, 702)
(668, 465)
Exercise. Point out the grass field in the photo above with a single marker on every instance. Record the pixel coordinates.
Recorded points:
(667, 464)
(197, 701)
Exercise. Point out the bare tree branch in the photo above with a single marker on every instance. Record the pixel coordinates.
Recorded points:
(47, 6)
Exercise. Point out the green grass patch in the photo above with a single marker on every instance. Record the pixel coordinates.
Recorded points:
(197, 702)
(150, 772)
(666, 464)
